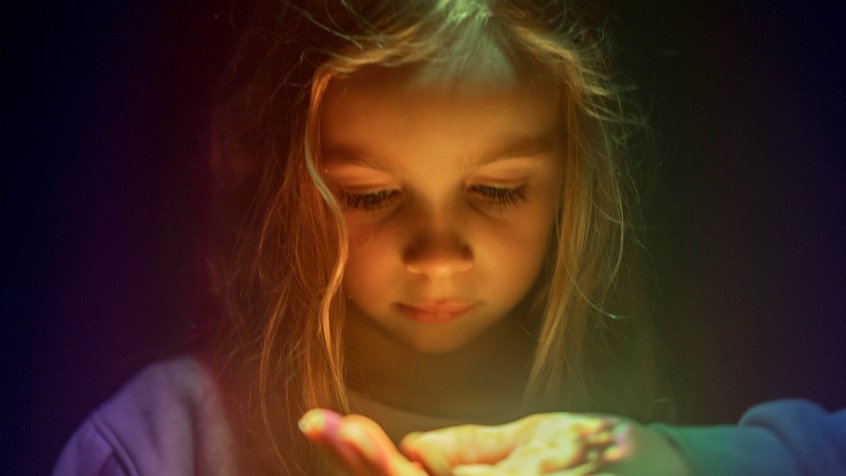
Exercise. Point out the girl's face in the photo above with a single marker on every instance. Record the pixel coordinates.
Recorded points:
(450, 196)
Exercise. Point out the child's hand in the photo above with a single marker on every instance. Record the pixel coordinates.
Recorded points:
(552, 443)
(357, 444)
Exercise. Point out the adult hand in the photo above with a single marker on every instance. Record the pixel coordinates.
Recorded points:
(357, 444)
(551, 443)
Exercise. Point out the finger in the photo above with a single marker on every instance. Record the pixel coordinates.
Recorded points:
(322, 428)
(564, 440)
(556, 442)
(379, 453)
(621, 444)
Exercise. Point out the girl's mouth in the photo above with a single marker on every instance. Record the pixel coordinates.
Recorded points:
(435, 312)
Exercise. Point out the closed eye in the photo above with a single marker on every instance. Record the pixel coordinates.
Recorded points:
(500, 197)
(369, 201)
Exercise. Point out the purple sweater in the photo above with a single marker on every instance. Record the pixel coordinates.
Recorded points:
(168, 420)
(785, 437)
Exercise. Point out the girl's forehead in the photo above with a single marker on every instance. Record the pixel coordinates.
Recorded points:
(412, 90)
(388, 112)
(440, 81)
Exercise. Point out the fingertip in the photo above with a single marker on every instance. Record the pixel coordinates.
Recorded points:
(407, 441)
(613, 454)
(317, 421)
(312, 421)
(412, 445)
(623, 438)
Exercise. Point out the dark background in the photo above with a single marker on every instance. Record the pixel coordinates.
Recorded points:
(105, 109)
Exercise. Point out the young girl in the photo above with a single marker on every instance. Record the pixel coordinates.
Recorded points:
(422, 211)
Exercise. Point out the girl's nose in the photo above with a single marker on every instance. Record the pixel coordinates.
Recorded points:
(438, 256)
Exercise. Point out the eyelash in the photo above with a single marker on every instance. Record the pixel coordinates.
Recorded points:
(371, 202)
(497, 197)
(500, 197)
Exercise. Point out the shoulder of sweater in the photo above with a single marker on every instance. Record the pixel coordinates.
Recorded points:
(174, 406)
(168, 419)
(164, 386)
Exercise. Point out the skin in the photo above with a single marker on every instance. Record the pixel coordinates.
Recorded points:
(561, 444)
(421, 169)
(450, 194)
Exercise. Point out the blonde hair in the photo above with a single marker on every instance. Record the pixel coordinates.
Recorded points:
(283, 243)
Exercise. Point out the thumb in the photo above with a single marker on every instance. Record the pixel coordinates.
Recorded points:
(443, 449)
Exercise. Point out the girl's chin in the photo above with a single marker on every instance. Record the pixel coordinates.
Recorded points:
(435, 342)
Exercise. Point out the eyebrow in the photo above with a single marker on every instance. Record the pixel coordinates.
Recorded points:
(518, 147)
(522, 147)
(343, 154)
